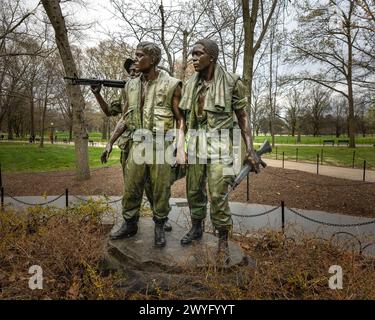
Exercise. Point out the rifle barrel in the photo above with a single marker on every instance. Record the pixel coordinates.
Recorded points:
(103, 82)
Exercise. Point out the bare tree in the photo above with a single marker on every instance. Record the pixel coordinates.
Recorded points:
(328, 35)
(54, 13)
(224, 22)
(174, 27)
(261, 13)
(106, 61)
(318, 104)
(294, 111)
(339, 110)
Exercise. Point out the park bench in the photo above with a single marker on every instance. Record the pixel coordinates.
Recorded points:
(343, 142)
(65, 140)
(331, 142)
(92, 142)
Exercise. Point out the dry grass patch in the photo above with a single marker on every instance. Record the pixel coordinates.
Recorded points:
(69, 246)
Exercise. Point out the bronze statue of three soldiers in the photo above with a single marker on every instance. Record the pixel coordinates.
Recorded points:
(153, 101)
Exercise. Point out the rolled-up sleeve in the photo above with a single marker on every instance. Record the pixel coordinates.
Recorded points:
(116, 106)
(239, 100)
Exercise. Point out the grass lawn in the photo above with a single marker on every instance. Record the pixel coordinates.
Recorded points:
(336, 156)
(24, 157)
(95, 136)
(370, 139)
(314, 140)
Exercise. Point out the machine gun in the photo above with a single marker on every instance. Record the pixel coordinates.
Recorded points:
(97, 82)
(264, 148)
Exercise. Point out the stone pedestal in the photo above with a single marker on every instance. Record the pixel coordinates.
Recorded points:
(139, 252)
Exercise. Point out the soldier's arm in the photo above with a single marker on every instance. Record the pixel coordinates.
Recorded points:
(180, 125)
(119, 130)
(239, 102)
(95, 89)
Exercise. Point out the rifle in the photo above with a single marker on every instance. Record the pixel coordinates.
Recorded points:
(264, 148)
(91, 82)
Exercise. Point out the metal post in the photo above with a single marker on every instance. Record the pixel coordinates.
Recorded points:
(364, 170)
(353, 159)
(247, 189)
(297, 155)
(321, 156)
(282, 216)
(283, 158)
(66, 198)
(2, 197)
(317, 163)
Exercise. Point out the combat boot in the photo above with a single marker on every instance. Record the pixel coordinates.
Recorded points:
(128, 229)
(223, 248)
(195, 232)
(160, 232)
(167, 227)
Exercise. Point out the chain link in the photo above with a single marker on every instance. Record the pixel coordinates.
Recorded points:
(331, 224)
(35, 204)
(256, 215)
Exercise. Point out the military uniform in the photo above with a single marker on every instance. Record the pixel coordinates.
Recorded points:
(124, 141)
(157, 116)
(222, 96)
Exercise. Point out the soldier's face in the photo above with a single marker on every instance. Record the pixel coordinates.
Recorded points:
(133, 71)
(143, 61)
(201, 59)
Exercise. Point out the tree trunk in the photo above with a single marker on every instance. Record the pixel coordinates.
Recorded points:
(70, 132)
(163, 40)
(105, 121)
(42, 122)
(249, 25)
(53, 10)
(185, 35)
(32, 124)
(350, 79)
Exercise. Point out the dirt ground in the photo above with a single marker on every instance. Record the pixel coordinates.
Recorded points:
(298, 189)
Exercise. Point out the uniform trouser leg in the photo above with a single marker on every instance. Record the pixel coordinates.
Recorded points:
(196, 178)
(160, 176)
(148, 191)
(124, 156)
(135, 177)
(218, 186)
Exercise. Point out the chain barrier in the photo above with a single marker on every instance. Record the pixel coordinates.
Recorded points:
(34, 204)
(256, 215)
(114, 201)
(329, 223)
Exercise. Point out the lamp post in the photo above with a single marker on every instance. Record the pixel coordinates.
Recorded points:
(51, 133)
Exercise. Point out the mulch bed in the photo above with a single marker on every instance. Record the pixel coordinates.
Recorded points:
(298, 189)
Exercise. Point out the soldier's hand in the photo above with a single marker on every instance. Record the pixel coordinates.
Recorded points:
(253, 159)
(181, 158)
(95, 88)
(105, 155)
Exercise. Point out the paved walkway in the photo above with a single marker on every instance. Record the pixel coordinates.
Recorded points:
(337, 172)
(250, 217)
